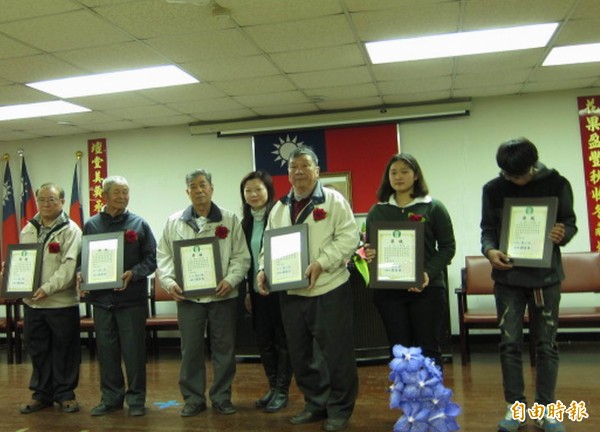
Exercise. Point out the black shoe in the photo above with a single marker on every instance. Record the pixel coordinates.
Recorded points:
(308, 417)
(263, 401)
(137, 411)
(277, 402)
(335, 424)
(224, 407)
(190, 409)
(103, 409)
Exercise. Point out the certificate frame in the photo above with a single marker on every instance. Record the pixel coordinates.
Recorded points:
(414, 232)
(295, 237)
(184, 250)
(114, 270)
(33, 272)
(541, 256)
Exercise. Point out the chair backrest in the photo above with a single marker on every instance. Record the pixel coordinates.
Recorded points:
(159, 294)
(478, 275)
(582, 272)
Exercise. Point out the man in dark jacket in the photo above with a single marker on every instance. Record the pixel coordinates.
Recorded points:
(120, 314)
(523, 176)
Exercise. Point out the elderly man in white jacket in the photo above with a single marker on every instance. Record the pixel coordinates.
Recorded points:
(51, 323)
(202, 219)
(322, 313)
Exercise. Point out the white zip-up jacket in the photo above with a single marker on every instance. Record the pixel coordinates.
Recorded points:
(235, 257)
(58, 267)
(332, 235)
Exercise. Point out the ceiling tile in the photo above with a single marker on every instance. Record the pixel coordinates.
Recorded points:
(78, 29)
(253, 12)
(258, 100)
(297, 35)
(204, 46)
(36, 68)
(114, 57)
(156, 18)
(402, 22)
(186, 92)
(311, 80)
(270, 84)
(23, 9)
(319, 59)
(231, 68)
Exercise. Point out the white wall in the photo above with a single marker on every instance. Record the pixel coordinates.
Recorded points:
(457, 156)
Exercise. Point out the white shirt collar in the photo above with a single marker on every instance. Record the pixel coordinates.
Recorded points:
(417, 200)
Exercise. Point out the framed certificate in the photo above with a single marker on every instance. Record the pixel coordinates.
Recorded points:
(398, 263)
(286, 257)
(22, 270)
(197, 266)
(526, 225)
(102, 261)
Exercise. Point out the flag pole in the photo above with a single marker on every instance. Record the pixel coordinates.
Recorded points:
(79, 155)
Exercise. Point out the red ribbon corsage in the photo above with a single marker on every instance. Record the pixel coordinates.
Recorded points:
(415, 217)
(131, 236)
(54, 247)
(221, 232)
(319, 214)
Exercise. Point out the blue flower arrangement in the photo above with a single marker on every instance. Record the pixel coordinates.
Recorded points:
(418, 391)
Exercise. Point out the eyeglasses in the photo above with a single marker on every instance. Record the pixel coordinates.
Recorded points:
(50, 201)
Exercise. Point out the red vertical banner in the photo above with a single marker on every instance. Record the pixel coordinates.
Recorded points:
(97, 171)
(589, 126)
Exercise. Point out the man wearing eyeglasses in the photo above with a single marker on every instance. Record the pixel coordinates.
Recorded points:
(51, 323)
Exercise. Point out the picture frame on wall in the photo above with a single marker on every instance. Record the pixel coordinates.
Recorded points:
(340, 181)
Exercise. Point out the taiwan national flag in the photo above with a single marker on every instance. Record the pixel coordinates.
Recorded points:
(362, 151)
(10, 232)
(28, 204)
(75, 210)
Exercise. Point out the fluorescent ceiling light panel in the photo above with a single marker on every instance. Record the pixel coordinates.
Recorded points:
(40, 109)
(115, 82)
(461, 44)
(573, 54)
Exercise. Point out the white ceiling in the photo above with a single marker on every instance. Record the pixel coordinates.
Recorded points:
(269, 58)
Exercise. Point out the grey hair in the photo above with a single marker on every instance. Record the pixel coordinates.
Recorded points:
(60, 190)
(110, 181)
(301, 151)
(196, 173)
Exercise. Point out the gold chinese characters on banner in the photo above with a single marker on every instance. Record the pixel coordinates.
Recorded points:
(97, 170)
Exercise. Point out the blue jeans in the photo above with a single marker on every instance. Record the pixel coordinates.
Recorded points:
(510, 306)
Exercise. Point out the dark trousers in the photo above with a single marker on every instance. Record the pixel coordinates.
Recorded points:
(193, 318)
(52, 338)
(271, 340)
(413, 319)
(121, 335)
(320, 339)
(510, 305)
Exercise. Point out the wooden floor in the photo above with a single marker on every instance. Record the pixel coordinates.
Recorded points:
(477, 389)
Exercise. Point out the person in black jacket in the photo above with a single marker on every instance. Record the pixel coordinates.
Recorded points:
(523, 176)
(120, 314)
(257, 192)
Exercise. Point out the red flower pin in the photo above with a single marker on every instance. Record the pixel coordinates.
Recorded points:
(131, 236)
(54, 247)
(221, 231)
(319, 214)
(416, 217)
